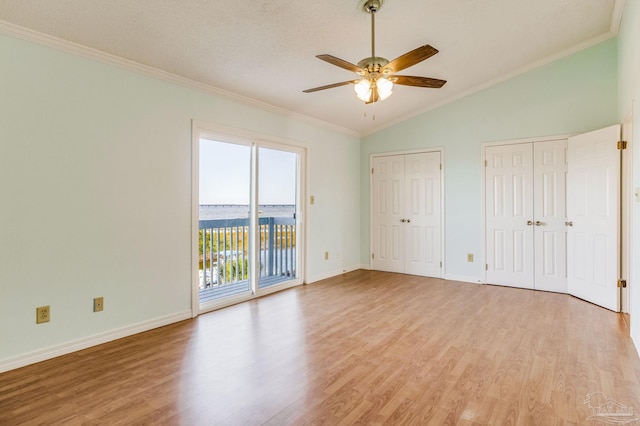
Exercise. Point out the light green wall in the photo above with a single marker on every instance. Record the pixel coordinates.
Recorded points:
(572, 95)
(629, 93)
(629, 57)
(95, 181)
(95, 178)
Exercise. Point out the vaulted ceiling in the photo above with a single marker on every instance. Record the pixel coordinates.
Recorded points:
(266, 50)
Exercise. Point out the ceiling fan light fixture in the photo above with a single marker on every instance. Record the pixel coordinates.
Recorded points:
(385, 88)
(363, 90)
(376, 76)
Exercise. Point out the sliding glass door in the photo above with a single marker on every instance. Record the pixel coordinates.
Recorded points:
(249, 226)
(224, 226)
(277, 204)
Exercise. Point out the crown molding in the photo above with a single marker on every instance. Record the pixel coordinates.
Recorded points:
(530, 67)
(46, 40)
(616, 17)
(77, 49)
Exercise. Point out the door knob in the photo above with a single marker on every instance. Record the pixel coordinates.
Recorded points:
(568, 223)
(403, 220)
(529, 222)
(538, 223)
(408, 220)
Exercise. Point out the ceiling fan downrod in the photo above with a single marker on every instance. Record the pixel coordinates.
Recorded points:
(373, 11)
(372, 64)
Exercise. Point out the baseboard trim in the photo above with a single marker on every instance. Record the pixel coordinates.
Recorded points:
(326, 275)
(463, 278)
(76, 345)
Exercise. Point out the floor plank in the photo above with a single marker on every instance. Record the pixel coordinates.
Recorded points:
(362, 348)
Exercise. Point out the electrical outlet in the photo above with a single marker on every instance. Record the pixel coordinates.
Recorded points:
(326, 255)
(43, 314)
(98, 304)
(470, 257)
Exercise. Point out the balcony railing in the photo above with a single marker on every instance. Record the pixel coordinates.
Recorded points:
(224, 255)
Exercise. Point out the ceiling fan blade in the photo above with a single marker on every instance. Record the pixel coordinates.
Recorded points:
(411, 58)
(340, 63)
(330, 86)
(407, 80)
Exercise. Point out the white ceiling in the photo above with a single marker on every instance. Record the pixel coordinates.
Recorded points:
(265, 50)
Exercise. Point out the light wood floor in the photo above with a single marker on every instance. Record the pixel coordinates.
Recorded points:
(362, 348)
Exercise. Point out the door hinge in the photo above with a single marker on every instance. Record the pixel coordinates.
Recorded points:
(440, 166)
(373, 256)
(486, 163)
(622, 144)
(441, 264)
(622, 283)
(372, 170)
(486, 266)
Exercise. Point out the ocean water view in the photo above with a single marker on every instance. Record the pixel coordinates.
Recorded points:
(235, 211)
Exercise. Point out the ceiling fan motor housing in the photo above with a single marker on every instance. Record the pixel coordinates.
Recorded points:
(373, 64)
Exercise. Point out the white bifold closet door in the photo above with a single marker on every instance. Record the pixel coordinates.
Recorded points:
(552, 214)
(407, 213)
(526, 214)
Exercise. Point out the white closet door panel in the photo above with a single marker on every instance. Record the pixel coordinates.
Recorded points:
(593, 187)
(550, 215)
(509, 206)
(388, 211)
(423, 207)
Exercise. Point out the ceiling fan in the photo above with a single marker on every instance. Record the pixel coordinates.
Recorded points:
(376, 74)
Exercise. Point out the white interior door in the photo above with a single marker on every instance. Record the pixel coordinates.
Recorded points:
(422, 214)
(509, 215)
(387, 207)
(407, 214)
(593, 209)
(550, 215)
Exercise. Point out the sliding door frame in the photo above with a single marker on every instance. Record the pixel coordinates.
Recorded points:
(201, 130)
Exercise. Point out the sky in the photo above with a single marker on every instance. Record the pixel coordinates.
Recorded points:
(225, 174)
